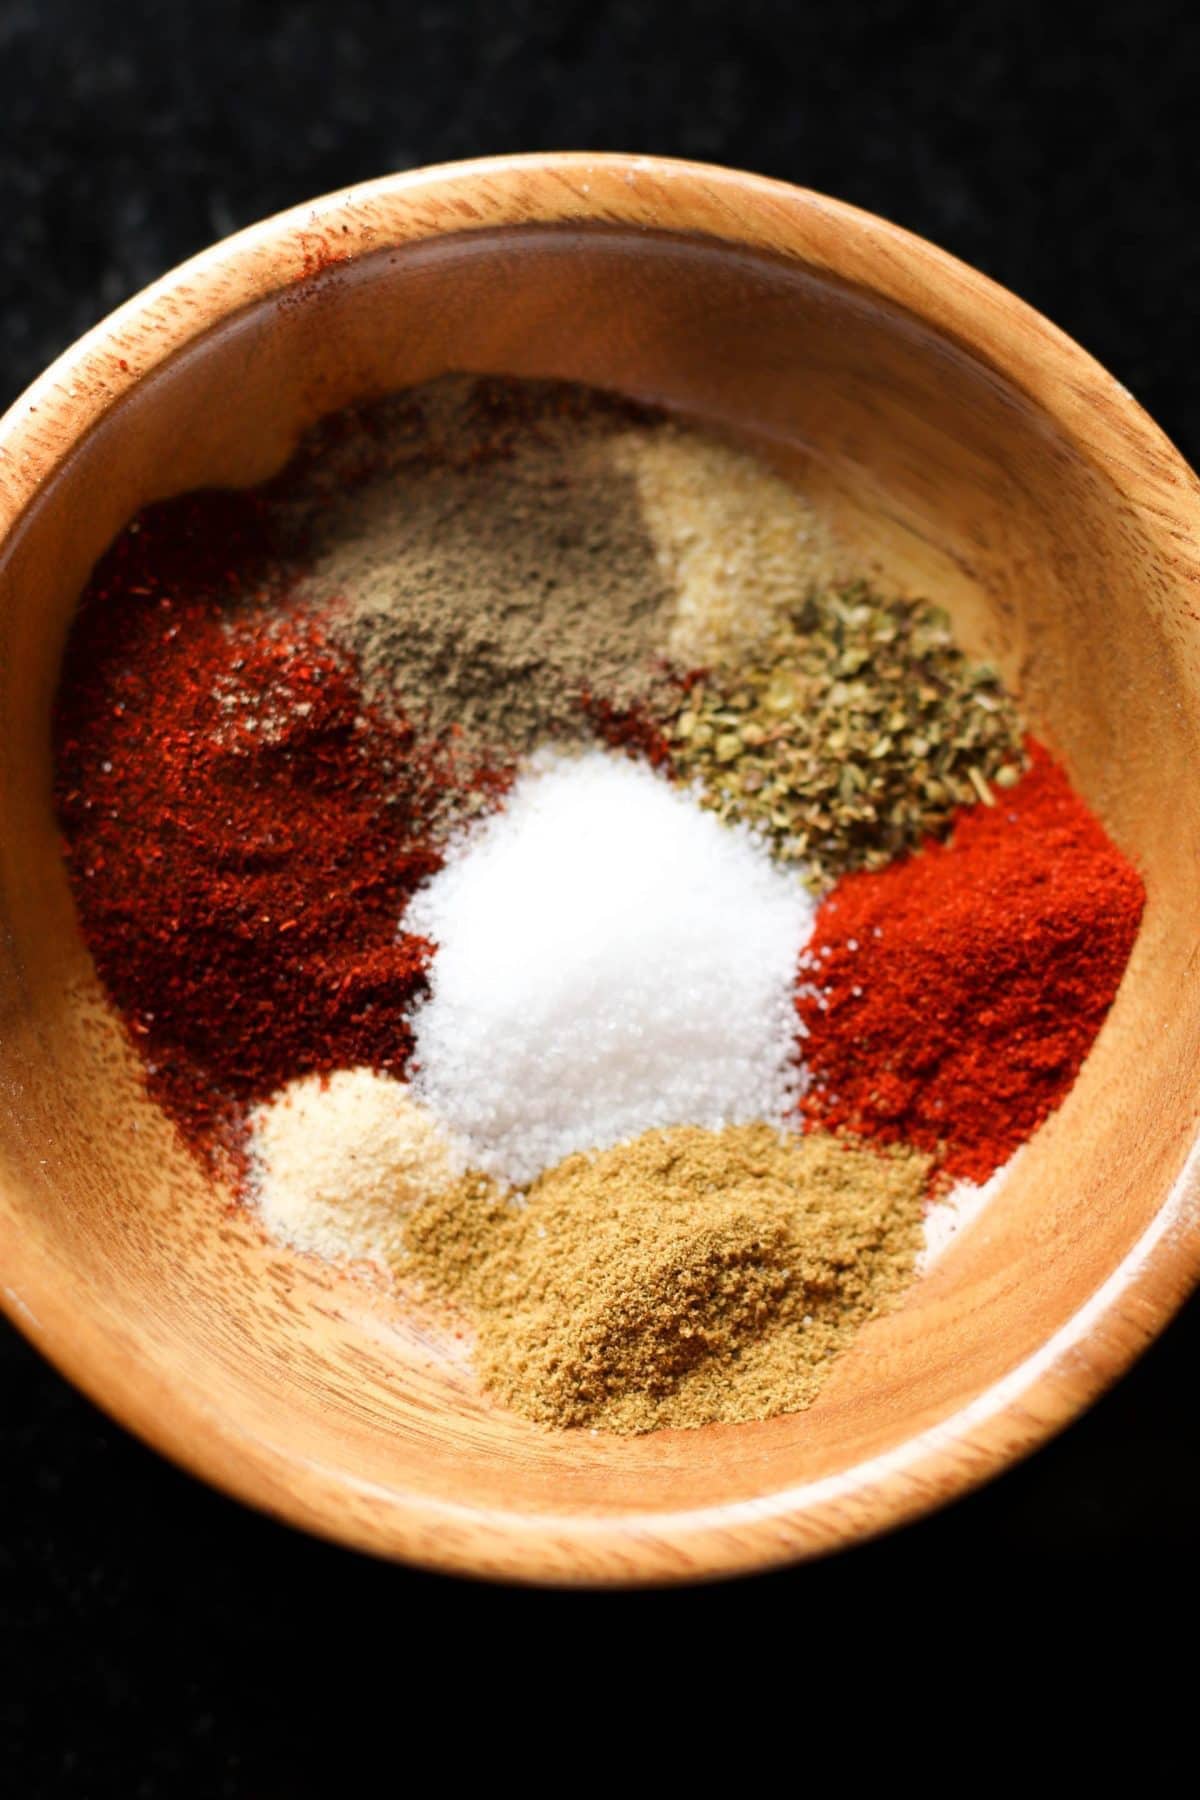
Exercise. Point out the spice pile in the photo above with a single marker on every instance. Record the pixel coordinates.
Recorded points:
(241, 848)
(526, 860)
(949, 1000)
(852, 736)
(635, 960)
(508, 573)
(682, 1277)
(341, 1159)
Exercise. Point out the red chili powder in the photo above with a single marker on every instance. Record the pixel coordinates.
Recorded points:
(241, 841)
(628, 728)
(950, 998)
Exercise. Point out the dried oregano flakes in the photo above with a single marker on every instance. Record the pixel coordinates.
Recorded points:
(852, 735)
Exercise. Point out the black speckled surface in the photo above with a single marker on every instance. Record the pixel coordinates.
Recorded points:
(155, 1639)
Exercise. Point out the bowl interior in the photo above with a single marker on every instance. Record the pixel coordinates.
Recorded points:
(313, 1394)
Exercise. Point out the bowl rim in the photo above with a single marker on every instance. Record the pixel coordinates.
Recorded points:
(1091, 1349)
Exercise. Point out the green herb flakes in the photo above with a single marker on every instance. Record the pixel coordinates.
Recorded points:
(856, 732)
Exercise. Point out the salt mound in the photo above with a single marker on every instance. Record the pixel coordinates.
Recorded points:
(611, 958)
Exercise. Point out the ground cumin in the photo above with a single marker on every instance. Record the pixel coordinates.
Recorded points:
(687, 1277)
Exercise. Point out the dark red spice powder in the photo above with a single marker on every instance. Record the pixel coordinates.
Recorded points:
(628, 728)
(240, 840)
(951, 998)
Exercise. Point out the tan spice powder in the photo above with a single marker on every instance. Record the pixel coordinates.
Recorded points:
(684, 1278)
(739, 546)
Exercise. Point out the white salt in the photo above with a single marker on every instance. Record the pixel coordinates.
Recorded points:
(610, 958)
(949, 1217)
(335, 1164)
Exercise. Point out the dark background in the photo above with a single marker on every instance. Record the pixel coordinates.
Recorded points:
(155, 1639)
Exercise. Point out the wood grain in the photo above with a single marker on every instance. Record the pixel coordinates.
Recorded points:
(961, 444)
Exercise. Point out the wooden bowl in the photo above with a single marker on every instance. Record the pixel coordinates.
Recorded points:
(961, 444)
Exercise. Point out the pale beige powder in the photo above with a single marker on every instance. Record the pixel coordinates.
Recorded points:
(336, 1163)
(739, 545)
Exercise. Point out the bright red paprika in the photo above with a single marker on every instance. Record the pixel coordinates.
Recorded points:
(950, 999)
